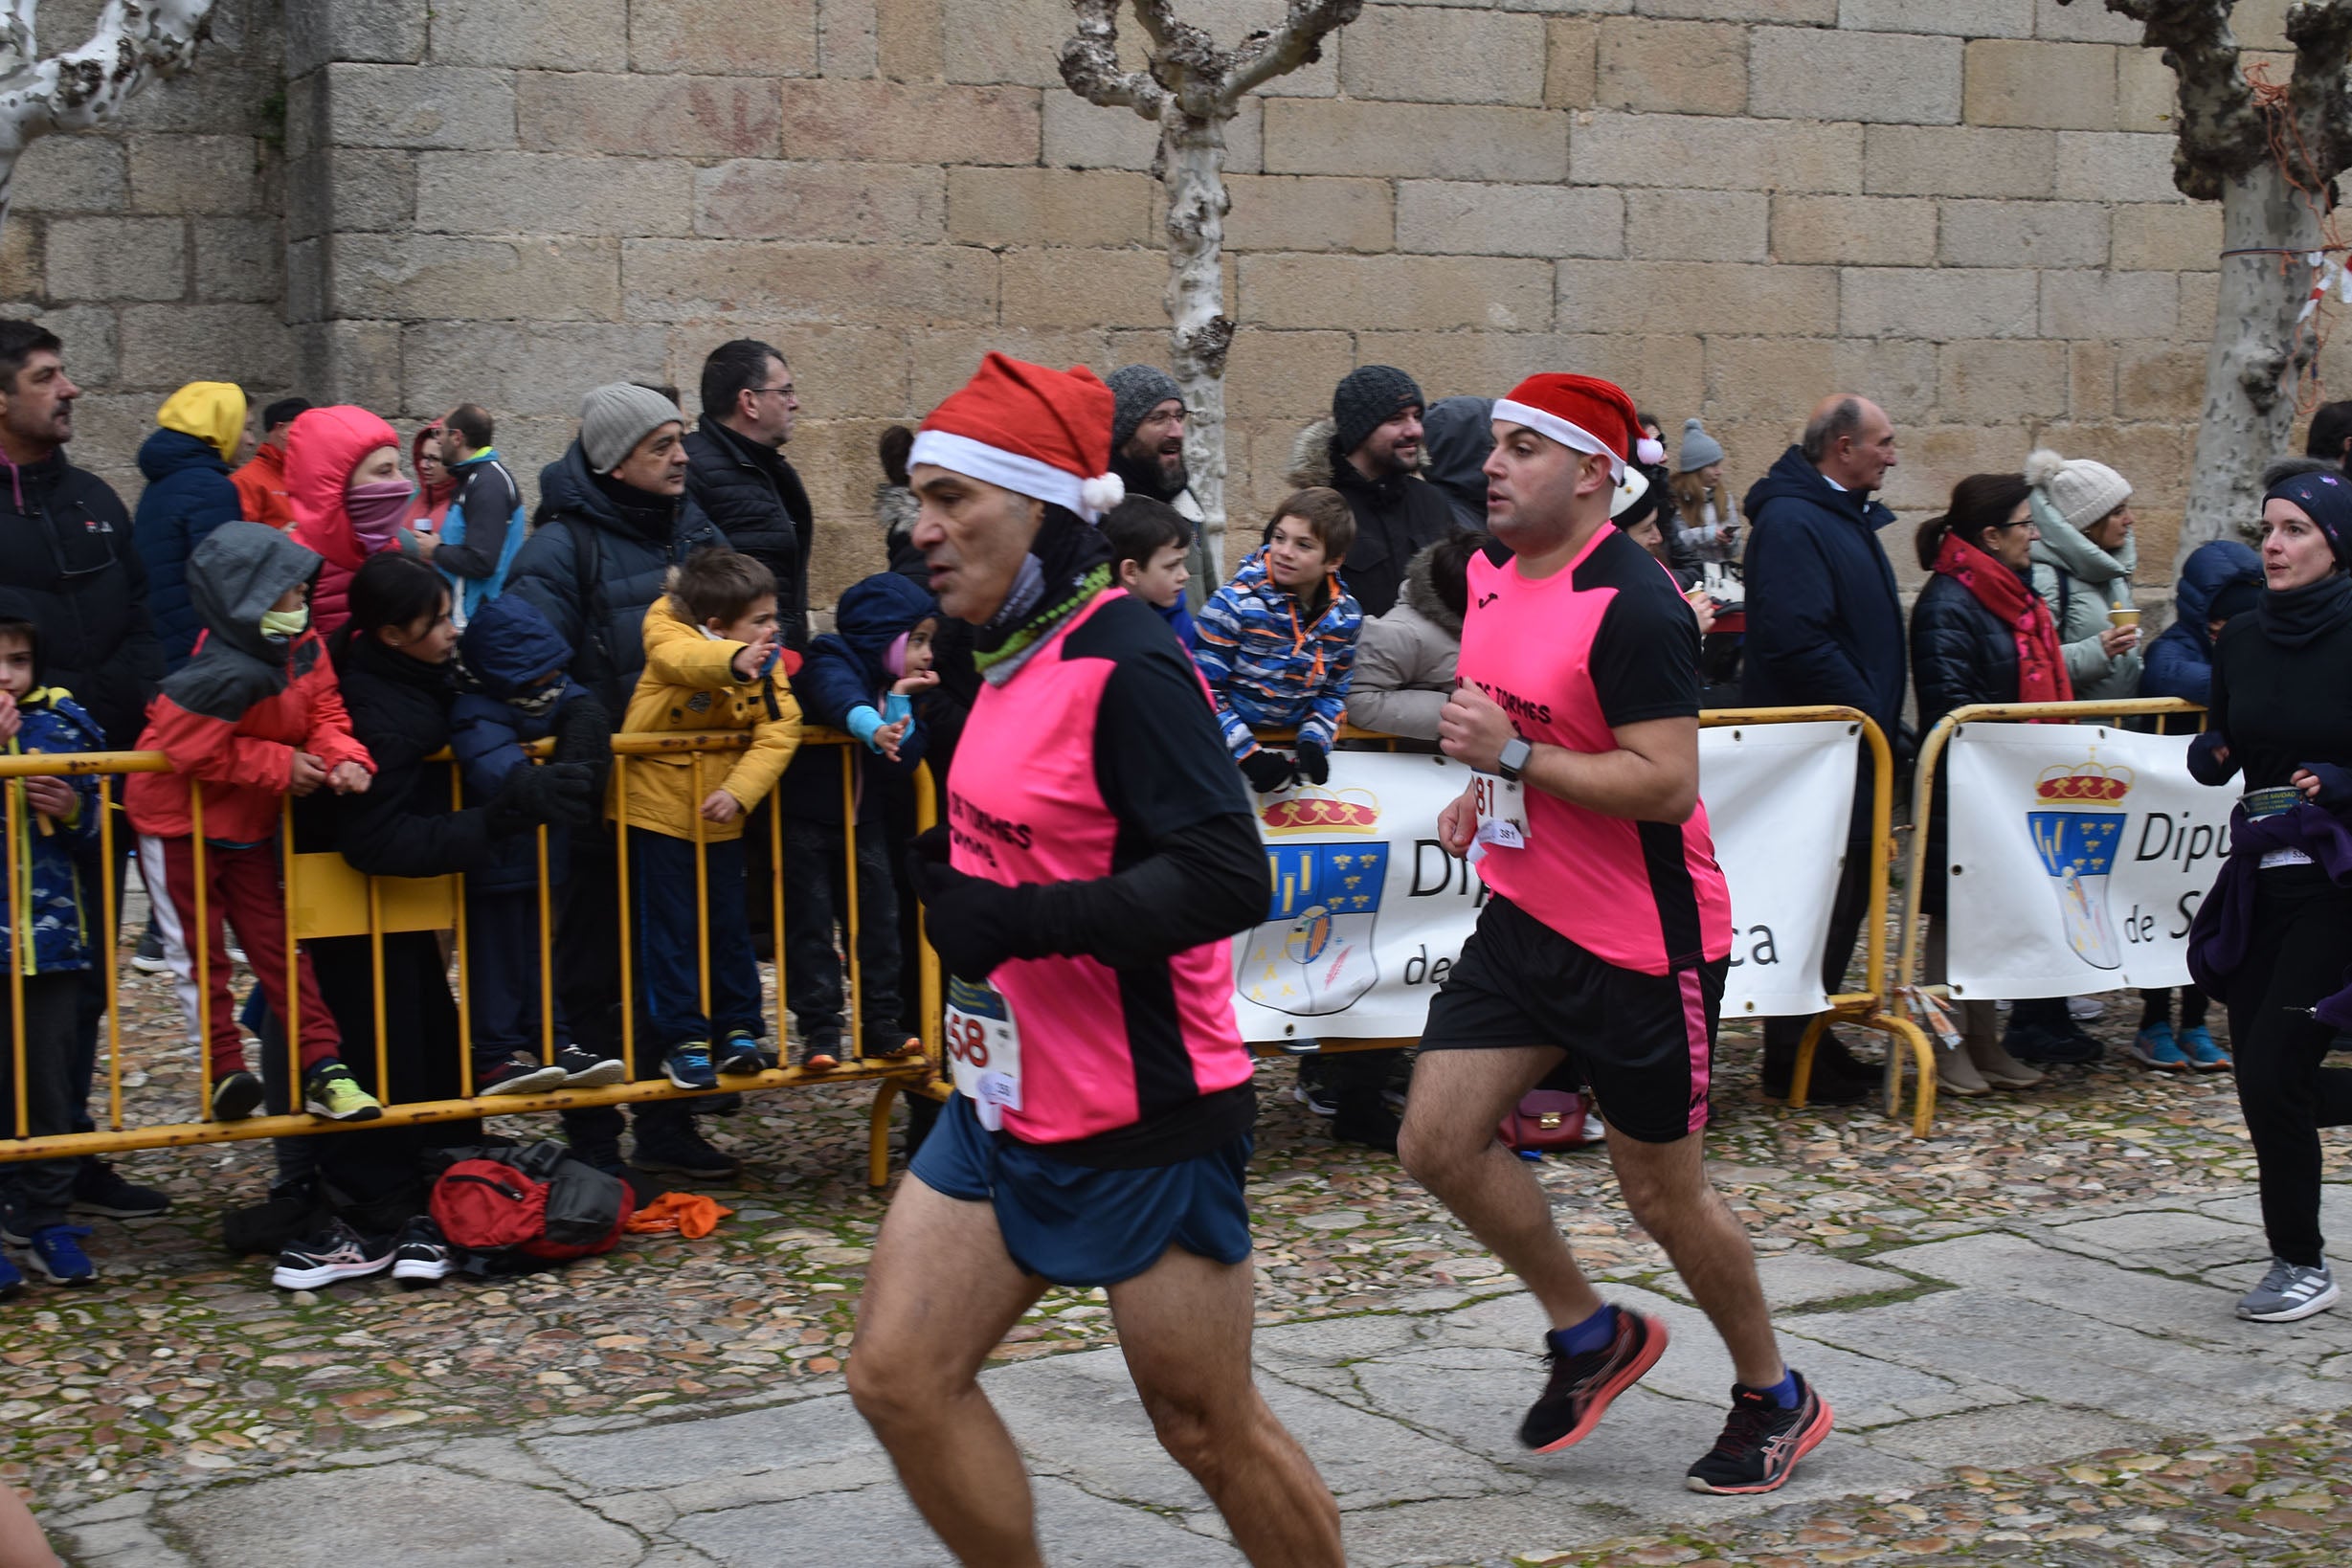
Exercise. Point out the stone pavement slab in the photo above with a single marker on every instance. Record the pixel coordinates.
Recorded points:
(2044, 1340)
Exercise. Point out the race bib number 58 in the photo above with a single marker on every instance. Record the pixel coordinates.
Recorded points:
(984, 1051)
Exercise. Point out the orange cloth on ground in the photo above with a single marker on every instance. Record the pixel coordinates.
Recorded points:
(690, 1215)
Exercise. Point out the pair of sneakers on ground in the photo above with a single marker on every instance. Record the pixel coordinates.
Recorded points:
(328, 1090)
(417, 1253)
(2193, 1049)
(1591, 1364)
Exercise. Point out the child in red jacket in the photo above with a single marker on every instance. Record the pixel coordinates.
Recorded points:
(254, 716)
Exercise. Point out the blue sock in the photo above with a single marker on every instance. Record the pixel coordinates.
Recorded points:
(1593, 1333)
(1783, 1393)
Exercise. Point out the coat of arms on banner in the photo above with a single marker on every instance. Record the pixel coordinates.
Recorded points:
(2077, 825)
(1314, 953)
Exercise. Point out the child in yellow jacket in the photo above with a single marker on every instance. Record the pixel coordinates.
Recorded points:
(710, 664)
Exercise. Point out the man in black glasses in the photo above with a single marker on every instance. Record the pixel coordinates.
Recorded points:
(65, 545)
(736, 472)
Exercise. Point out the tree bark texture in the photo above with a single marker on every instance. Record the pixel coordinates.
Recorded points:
(133, 42)
(1191, 89)
(2257, 357)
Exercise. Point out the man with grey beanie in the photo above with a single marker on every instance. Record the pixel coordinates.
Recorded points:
(1370, 452)
(614, 518)
(1147, 449)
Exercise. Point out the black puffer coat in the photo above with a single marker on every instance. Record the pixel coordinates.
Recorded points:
(65, 545)
(593, 570)
(758, 501)
(1960, 653)
(1396, 516)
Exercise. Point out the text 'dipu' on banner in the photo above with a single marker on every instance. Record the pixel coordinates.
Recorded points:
(2078, 854)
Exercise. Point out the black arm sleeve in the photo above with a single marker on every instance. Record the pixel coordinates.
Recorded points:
(1197, 885)
(1644, 657)
(384, 835)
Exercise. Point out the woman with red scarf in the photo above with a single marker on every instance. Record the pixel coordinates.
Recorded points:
(1979, 633)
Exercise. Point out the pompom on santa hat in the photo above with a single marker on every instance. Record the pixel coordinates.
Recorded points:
(1035, 432)
(1584, 414)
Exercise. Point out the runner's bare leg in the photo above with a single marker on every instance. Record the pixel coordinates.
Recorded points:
(1667, 1187)
(1184, 1326)
(940, 1294)
(1448, 1144)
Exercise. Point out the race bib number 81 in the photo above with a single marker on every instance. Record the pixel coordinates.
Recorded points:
(984, 1051)
(1502, 811)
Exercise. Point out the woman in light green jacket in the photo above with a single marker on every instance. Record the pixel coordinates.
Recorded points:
(2082, 568)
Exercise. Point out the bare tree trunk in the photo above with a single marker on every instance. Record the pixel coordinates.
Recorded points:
(134, 41)
(2251, 369)
(1199, 333)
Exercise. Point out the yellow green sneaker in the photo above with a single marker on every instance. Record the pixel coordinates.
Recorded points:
(329, 1091)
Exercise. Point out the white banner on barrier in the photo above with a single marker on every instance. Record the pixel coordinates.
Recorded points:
(1367, 914)
(2078, 853)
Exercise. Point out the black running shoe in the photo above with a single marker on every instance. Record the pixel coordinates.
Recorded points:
(738, 1055)
(147, 958)
(1581, 1386)
(235, 1096)
(1761, 1443)
(585, 1069)
(518, 1072)
(421, 1252)
(683, 1151)
(336, 1253)
(100, 1189)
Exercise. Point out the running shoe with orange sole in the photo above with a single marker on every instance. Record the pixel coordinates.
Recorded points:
(1761, 1443)
(1581, 1386)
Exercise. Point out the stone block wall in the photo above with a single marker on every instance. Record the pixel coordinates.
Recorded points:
(1963, 209)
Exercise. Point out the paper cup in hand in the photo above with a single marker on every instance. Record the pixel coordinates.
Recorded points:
(2123, 618)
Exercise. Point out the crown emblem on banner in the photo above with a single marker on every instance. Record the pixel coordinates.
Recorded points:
(2089, 781)
(1341, 810)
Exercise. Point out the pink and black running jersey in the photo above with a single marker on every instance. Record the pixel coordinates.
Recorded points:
(1101, 743)
(1605, 641)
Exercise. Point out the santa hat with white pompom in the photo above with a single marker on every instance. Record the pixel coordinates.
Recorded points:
(1037, 431)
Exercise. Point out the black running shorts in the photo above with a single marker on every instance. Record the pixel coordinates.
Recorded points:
(1644, 1043)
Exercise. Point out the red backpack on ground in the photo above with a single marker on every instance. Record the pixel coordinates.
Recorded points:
(534, 1204)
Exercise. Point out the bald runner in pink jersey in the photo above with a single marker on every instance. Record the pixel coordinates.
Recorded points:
(1097, 858)
(1599, 961)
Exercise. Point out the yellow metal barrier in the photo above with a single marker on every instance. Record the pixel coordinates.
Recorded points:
(1922, 799)
(327, 897)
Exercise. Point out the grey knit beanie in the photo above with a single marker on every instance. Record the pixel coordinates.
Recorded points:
(613, 418)
(1371, 395)
(1698, 449)
(1138, 389)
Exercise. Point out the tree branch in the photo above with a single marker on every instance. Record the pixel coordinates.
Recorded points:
(1090, 62)
(2318, 92)
(2221, 132)
(1263, 55)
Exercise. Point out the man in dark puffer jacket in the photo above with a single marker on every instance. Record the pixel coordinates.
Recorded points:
(1370, 452)
(737, 475)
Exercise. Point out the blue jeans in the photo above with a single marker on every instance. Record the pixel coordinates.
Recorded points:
(669, 971)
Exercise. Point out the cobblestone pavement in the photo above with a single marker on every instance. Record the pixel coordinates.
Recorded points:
(2024, 1322)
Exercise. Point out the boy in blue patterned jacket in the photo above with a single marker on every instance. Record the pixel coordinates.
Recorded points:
(49, 819)
(1278, 642)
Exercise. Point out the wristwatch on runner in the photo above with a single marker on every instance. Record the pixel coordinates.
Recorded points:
(1516, 752)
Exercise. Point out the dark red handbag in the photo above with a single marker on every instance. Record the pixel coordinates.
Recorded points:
(1547, 1119)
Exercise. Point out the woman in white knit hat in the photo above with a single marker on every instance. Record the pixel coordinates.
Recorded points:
(2082, 568)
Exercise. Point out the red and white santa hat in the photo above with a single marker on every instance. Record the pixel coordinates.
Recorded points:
(1583, 412)
(1034, 431)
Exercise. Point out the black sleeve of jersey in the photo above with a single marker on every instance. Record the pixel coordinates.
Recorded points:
(1198, 883)
(1644, 657)
(1158, 756)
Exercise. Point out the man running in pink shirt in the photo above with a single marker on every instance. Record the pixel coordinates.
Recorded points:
(1606, 939)
(1098, 856)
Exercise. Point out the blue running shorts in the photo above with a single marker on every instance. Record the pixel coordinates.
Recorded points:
(1077, 1225)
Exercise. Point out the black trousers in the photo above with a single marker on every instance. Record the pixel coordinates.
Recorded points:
(588, 988)
(2300, 952)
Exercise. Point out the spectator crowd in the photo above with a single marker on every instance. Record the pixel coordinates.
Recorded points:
(360, 639)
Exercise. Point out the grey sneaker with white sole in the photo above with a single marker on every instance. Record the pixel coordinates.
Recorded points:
(2289, 1292)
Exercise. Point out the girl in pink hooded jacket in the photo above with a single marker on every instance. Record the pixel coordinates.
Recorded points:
(344, 480)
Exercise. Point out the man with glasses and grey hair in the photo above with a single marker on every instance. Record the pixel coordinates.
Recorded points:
(736, 472)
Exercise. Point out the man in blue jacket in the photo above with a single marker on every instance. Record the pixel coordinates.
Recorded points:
(1825, 626)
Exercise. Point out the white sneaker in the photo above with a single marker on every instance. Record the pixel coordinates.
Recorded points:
(2083, 1009)
(2290, 1293)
